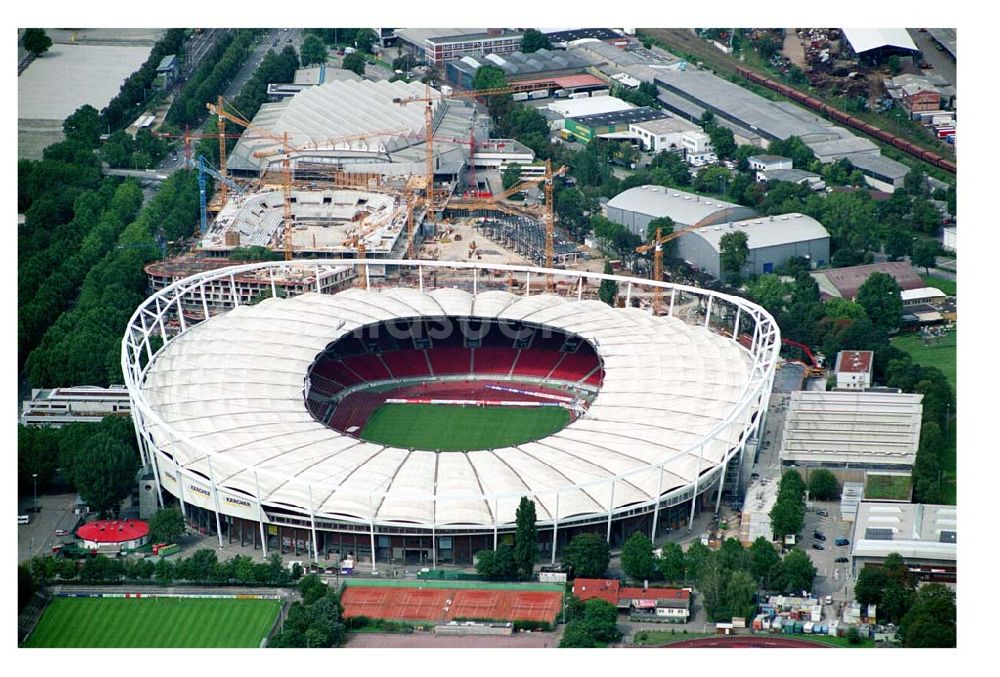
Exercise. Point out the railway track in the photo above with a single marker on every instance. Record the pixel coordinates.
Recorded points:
(687, 41)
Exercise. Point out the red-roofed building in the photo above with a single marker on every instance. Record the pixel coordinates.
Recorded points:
(600, 588)
(845, 282)
(854, 369)
(113, 534)
(665, 604)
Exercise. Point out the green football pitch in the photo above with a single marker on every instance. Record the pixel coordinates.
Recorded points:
(154, 622)
(458, 428)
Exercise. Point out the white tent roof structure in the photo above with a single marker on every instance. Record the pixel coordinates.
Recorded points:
(232, 390)
(864, 39)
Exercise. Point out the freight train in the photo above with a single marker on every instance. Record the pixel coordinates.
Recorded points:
(843, 118)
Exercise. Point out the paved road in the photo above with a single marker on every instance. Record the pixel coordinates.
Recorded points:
(942, 62)
(38, 537)
(141, 174)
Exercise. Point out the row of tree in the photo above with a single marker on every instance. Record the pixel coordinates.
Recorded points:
(84, 345)
(788, 513)
(274, 67)
(210, 79)
(121, 110)
(590, 624)
(201, 568)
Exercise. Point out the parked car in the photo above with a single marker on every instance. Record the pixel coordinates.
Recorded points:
(842, 541)
(842, 560)
(822, 513)
(828, 599)
(62, 532)
(819, 536)
(817, 546)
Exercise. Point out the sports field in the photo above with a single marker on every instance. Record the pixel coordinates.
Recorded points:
(460, 428)
(938, 352)
(154, 622)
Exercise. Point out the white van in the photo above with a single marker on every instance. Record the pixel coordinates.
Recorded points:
(23, 519)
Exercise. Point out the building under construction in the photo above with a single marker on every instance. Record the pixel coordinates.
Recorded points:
(326, 223)
(247, 287)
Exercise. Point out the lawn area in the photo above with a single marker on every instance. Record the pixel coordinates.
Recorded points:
(949, 287)
(458, 428)
(840, 642)
(891, 487)
(941, 352)
(664, 637)
(154, 623)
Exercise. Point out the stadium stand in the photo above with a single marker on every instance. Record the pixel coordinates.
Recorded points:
(406, 363)
(352, 413)
(493, 360)
(369, 367)
(451, 361)
(538, 363)
(574, 366)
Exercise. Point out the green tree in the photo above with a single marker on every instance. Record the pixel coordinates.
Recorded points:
(798, 571)
(25, 587)
(672, 563)
(511, 176)
(314, 51)
(763, 557)
(853, 635)
(576, 636)
(898, 243)
(588, 555)
(166, 525)
(533, 40)
(36, 41)
(932, 620)
(526, 539)
(497, 565)
(84, 125)
(364, 39)
(608, 290)
(600, 618)
(879, 296)
(37, 454)
(870, 585)
(638, 561)
(103, 471)
(734, 253)
(823, 486)
(665, 224)
(312, 588)
(924, 254)
(354, 62)
(694, 560)
(493, 77)
(740, 590)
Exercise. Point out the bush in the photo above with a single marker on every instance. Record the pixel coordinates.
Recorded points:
(853, 636)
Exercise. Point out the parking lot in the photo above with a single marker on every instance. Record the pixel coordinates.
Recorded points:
(832, 577)
(39, 536)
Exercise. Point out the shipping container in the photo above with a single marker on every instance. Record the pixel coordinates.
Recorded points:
(538, 94)
(599, 92)
(579, 95)
(807, 628)
(520, 96)
(560, 93)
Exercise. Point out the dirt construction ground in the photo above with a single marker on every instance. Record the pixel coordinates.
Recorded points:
(428, 640)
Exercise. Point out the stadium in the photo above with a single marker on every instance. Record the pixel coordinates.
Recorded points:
(402, 424)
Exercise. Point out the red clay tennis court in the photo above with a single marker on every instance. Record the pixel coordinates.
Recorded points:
(445, 604)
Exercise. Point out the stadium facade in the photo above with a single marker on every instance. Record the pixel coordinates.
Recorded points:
(225, 410)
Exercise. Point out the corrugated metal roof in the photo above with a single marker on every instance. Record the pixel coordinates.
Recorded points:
(685, 209)
(865, 39)
(765, 231)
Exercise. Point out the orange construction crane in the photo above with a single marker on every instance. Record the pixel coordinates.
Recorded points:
(428, 99)
(188, 136)
(657, 246)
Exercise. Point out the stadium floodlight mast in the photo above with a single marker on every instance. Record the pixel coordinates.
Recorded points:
(662, 478)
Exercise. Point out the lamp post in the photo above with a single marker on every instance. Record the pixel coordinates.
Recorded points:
(34, 501)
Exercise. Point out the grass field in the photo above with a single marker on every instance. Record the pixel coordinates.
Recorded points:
(941, 353)
(456, 428)
(949, 287)
(892, 487)
(154, 622)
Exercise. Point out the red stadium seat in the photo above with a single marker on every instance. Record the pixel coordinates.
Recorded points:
(574, 366)
(406, 363)
(537, 363)
(450, 360)
(493, 360)
(369, 367)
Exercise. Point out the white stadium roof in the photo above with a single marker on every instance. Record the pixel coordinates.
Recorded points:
(233, 386)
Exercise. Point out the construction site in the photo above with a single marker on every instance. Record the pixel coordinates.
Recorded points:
(361, 169)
